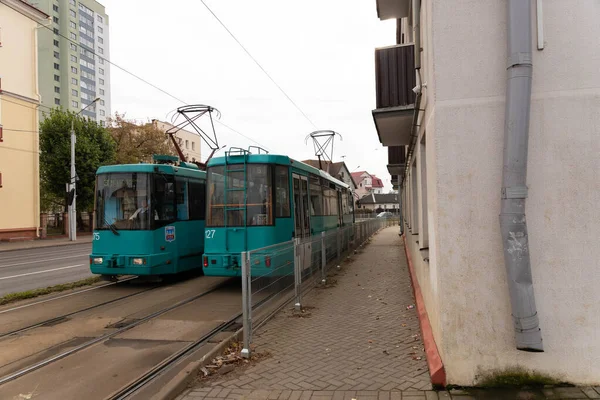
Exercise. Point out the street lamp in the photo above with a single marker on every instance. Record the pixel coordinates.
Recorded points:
(72, 181)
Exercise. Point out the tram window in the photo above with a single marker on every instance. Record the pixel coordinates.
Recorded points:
(316, 196)
(164, 199)
(196, 197)
(182, 199)
(216, 196)
(259, 195)
(282, 187)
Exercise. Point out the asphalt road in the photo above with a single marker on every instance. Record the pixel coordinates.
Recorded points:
(28, 269)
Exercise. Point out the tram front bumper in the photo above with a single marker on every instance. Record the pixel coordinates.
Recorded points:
(132, 264)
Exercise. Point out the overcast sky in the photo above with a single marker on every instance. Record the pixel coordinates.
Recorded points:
(321, 52)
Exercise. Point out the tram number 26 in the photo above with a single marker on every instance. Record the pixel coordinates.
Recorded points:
(210, 233)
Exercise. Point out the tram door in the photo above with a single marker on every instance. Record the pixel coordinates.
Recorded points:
(302, 218)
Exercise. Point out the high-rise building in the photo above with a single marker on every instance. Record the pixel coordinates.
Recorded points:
(73, 70)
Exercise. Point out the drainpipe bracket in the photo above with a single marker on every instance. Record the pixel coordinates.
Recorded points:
(519, 59)
(514, 192)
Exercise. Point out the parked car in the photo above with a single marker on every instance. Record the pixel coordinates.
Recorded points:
(385, 214)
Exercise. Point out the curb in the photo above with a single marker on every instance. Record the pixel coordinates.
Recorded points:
(43, 244)
(434, 361)
(179, 383)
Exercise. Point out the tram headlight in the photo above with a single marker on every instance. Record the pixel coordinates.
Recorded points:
(139, 261)
(97, 260)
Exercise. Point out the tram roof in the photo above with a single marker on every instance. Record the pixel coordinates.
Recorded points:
(275, 159)
(152, 168)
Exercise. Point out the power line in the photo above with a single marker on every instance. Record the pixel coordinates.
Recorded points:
(26, 106)
(146, 82)
(260, 66)
(16, 149)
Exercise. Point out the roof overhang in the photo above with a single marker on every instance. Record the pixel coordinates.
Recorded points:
(394, 124)
(388, 9)
(28, 10)
(396, 169)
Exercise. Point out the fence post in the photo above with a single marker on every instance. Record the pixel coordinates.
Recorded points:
(246, 304)
(297, 274)
(323, 258)
(338, 243)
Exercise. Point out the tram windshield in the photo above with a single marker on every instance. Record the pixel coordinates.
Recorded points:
(226, 208)
(123, 201)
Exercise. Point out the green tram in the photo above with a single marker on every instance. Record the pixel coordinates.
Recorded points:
(149, 218)
(260, 200)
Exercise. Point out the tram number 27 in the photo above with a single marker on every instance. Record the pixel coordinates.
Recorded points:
(210, 233)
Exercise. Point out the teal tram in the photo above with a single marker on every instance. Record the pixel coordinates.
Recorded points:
(260, 200)
(149, 218)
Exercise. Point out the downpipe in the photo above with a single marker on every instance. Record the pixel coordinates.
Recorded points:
(513, 224)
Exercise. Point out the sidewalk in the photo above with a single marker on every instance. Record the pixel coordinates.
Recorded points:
(34, 244)
(359, 341)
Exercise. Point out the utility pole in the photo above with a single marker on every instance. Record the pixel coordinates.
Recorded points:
(73, 180)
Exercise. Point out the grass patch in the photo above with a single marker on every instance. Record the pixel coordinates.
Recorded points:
(30, 294)
(515, 377)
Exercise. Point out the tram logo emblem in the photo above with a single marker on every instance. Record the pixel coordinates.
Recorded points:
(169, 233)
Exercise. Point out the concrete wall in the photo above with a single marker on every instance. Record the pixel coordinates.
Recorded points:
(464, 283)
(19, 160)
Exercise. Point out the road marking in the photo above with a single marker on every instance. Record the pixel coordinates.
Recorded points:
(41, 272)
(39, 261)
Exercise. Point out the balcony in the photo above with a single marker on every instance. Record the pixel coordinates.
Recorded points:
(388, 9)
(395, 79)
(396, 160)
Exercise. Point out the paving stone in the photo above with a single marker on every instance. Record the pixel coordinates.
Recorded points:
(590, 393)
(570, 393)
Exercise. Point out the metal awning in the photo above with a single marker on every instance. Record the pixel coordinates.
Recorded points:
(388, 9)
(393, 124)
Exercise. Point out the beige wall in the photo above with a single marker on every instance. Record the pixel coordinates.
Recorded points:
(19, 160)
(464, 282)
(192, 151)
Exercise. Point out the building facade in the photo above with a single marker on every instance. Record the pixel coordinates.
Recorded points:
(386, 202)
(73, 49)
(338, 170)
(189, 142)
(19, 101)
(367, 183)
(453, 138)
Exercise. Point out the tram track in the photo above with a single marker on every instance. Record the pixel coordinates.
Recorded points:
(22, 372)
(63, 317)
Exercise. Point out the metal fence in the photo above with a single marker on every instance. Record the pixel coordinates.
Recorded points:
(275, 275)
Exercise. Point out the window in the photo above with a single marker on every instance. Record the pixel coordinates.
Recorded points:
(55, 31)
(102, 112)
(72, 24)
(422, 220)
(181, 197)
(73, 46)
(164, 200)
(100, 30)
(282, 192)
(100, 40)
(74, 92)
(101, 81)
(193, 145)
(57, 78)
(100, 50)
(74, 103)
(74, 70)
(316, 196)
(187, 144)
(73, 58)
(259, 204)
(73, 35)
(55, 7)
(72, 13)
(55, 19)
(101, 71)
(101, 123)
(56, 89)
(56, 66)
(72, 2)
(57, 102)
(101, 60)
(56, 55)
(101, 102)
(196, 199)
(100, 19)
(74, 81)
(56, 43)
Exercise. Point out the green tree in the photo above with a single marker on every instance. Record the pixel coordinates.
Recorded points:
(138, 143)
(94, 147)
